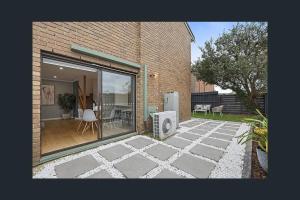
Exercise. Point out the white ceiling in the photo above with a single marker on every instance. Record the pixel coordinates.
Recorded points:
(65, 74)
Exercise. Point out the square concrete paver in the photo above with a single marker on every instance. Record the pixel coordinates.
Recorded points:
(199, 131)
(195, 166)
(221, 136)
(140, 142)
(135, 166)
(189, 136)
(232, 124)
(215, 142)
(231, 132)
(76, 167)
(161, 152)
(165, 173)
(208, 152)
(205, 129)
(114, 152)
(230, 128)
(204, 126)
(214, 123)
(101, 174)
(200, 120)
(191, 124)
(177, 142)
(207, 126)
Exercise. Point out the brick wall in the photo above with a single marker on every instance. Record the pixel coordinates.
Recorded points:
(200, 86)
(163, 46)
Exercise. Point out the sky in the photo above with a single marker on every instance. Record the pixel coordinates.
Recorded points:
(204, 31)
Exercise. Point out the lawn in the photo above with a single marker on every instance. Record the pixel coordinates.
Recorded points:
(224, 117)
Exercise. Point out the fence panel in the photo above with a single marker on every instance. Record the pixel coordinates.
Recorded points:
(211, 98)
(232, 104)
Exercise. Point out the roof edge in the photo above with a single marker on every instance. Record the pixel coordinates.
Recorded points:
(190, 31)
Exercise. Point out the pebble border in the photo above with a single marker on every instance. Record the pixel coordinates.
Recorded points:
(229, 166)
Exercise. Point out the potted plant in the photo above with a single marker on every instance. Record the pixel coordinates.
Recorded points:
(259, 134)
(67, 103)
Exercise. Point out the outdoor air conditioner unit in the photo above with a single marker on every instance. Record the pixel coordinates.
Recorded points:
(171, 103)
(164, 124)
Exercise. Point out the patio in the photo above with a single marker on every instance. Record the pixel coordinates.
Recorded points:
(201, 148)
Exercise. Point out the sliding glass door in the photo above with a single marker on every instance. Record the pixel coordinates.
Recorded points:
(81, 104)
(118, 103)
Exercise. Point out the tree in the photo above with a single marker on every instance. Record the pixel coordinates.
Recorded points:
(237, 60)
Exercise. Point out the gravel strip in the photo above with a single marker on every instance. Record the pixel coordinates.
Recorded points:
(233, 164)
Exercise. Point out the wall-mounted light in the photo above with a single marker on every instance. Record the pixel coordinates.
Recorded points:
(54, 76)
(155, 75)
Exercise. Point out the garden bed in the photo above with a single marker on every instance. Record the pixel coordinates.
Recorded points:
(256, 170)
(224, 117)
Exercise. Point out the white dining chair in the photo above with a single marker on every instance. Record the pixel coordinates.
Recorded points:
(89, 118)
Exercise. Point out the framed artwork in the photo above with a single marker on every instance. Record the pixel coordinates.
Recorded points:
(47, 94)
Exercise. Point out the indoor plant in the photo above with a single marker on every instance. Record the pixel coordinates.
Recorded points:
(67, 103)
(259, 134)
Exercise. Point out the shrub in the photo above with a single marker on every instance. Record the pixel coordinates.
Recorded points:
(257, 133)
(67, 101)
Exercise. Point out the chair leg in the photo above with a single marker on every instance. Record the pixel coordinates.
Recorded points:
(84, 128)
(93, 127)
(96, 124)
(79, 125)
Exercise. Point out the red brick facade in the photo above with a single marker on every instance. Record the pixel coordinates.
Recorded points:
(163, 46)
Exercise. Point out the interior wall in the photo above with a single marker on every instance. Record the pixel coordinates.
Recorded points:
(89, 85)
(95, 89)
(55, 111)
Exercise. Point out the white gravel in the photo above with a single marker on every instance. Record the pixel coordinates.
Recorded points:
(229, 166)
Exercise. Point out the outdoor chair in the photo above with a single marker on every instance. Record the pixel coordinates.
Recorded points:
(197, 107)
(110, 119)
(207, 108)
(201, 108)
(126, 117)
(89, 118)
(218, 109)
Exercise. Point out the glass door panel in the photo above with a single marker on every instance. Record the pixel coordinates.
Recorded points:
(68, 90)
(118, 102)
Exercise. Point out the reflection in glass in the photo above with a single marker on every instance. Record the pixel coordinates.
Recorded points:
(118, 103)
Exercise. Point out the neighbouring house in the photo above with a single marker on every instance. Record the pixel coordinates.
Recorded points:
(114, 70)
(198, 86)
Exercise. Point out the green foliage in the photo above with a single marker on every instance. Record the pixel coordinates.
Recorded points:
(237, 60)
(67, 101)
(258, 132)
